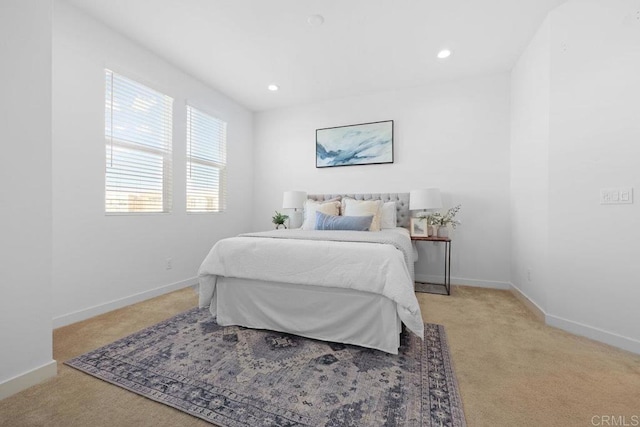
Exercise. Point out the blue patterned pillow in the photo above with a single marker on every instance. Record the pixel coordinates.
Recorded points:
(337, 222)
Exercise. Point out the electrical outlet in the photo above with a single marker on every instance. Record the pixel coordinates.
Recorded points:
(169, 264)
(528, 274)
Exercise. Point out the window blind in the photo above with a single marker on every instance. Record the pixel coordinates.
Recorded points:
(138, 133)
(206, 162)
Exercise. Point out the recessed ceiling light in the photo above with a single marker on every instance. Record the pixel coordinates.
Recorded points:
(315, 20)
(273, 88)
(444, 53)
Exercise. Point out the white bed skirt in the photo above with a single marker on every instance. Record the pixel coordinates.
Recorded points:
(328, 314)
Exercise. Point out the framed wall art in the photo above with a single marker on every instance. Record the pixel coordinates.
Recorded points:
(361, 144)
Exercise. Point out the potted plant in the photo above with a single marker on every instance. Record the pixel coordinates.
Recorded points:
(278, 219)
(442, 221)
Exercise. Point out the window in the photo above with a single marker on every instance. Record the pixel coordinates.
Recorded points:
(138, 147)
(206, 162)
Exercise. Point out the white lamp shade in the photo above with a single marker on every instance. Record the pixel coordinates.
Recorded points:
(429, 198)
(293, 199)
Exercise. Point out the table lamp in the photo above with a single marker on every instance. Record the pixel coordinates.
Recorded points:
(426, 199)
(294, 200)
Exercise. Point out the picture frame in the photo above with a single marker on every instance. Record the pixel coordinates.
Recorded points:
(360, 144)
(419, 227)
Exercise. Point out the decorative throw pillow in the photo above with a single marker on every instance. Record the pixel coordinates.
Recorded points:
(331, 207)
(353, 207)
(389, 216)
(335, 222)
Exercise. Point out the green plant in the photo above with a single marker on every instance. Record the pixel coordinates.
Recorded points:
(278, 219)
(445, 219)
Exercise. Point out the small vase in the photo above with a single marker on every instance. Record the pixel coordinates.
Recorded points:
(433, 230)
(443, 231)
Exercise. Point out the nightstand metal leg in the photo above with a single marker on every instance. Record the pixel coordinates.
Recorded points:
(447, 267)
(437, 288)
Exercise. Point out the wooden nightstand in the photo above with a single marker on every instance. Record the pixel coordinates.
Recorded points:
(437, 288)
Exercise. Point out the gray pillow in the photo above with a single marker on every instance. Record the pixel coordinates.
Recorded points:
(337, 222)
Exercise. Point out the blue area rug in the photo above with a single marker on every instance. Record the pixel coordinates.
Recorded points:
(233, 376)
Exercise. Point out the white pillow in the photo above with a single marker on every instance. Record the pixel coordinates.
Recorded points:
(311, 207)
(352, 207)
(389, 218)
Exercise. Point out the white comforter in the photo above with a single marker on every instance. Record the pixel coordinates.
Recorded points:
(364, 265)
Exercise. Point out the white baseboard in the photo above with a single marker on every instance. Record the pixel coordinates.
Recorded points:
(30, 378)
(577, 328)
(77, 316)
(537, 311)
(431, 278)
(606, 337)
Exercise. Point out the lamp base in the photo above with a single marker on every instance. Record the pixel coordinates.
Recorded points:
(295, 219)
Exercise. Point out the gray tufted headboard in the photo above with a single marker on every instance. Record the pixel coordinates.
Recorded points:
(401, 199)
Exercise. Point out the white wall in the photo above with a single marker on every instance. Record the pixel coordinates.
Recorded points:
(575, 103)
(25, 194)
(452, 135)
(101, 262)
(595, 143)
(530, 87)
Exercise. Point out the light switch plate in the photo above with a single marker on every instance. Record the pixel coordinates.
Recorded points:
(616, 196)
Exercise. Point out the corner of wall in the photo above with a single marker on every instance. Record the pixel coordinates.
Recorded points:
(534, 308)
(576, 328)
(28, 379)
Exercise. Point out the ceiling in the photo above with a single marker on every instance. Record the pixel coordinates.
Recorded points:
(239, 47)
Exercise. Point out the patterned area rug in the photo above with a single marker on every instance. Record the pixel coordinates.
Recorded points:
(232, 376)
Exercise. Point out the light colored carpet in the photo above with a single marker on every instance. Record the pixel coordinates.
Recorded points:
(515, 371)
(512, 370)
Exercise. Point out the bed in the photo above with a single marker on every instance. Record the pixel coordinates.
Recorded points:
(350, 287)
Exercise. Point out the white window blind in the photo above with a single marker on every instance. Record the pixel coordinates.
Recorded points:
(206, 162)
(138, 147)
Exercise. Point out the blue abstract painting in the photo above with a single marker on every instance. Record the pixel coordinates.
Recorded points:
(362, 144)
